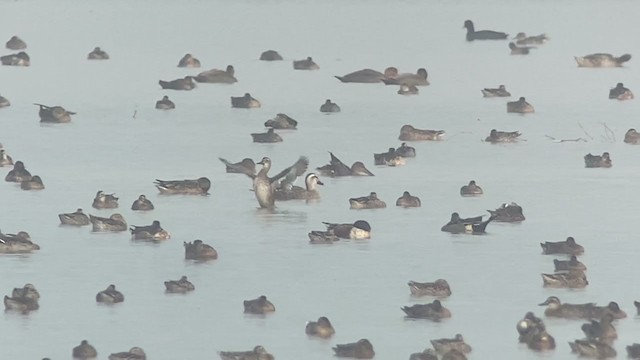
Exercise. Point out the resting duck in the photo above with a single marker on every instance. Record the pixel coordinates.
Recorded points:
(601, 60)
(359, 350)
(337, 168)
(84, 351)
(135, 353)
(4, 102)
(501, 91)
(19, 243)
(329, 107)
(571, 280)
(407, 200)
(409, 133)
(522, 39)
(269, 137)
(496, 136)
(632, 137)
(179, 84)
(519, 50)
(153, 232)
(18, 174)
(510, 212)
(368, 76)
(532, 332)
(258, 353)
(188, 61)
(165, 104)
(264, 185)
(113, 223)
(389, 158)
(298, 193)
(602, 330)
(433, 311)
(142, 204)
(199, 251)
(54, 114)
(179, 286)
(35, 183)
(427, 354)
(406, 151)
(19, 59)
(581, 311)
(357, 231)
(245, 102)
(569, 265)
(98, 54)
(472, 34)
(474, 226)
(569, 247)
(5, 159)
(593, 349)
(281, 121)
(305, 64)
(77, 218)
(270, 55)
(105, 201)
(521, 106)
(407, 89)
(597, 161)
(15, 43)
(198, 186)
(23, 299)
(620, 92)
(367, 202)
(258, 306)
(246, 166)
(411, 80)
(110, 295)
(216, 76)
(471, 189)
(321, 328)
(439, 288)
(445, 345)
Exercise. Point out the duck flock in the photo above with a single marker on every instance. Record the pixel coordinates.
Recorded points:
(305, 181)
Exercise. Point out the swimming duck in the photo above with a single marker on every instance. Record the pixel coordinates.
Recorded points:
(597, 161)
(593, 349)
(471, 189)
(321, 328)
(472, 34)
(27, 291)
(165, 104)
(4, 102)
(98, 54)
(359, 230)
(571, 280)
(633, 351)
(408, 200)
(427, 354)
(501, 91)
(110, 295)
(569, 247)
(496, 136)
(368, 76)
(632, 137)
(439, 288)
(77, 218)
(153, 232)
(602, 330)
(433, 311)
(310, 191)
(198, 186)
(519, 50)
(245, 102)
(84, 351)
(5, 159)
(281, 121)
(216, 76)
(532, 332)
(445, 345)
(406, 151)
(113, 223)
(264, 186)
(246, 166)
(522, 39)
(18, 173)
(358, 350)
(199, 251)
(258, 353)
(337, 168)
(386, 158)
(179, 286)
(23, 299)
(105, 201)
(19, 243)
(269, 137)
(19, 59)
(474, 226)
(521, 106)
(270, 55)
(258, 306)
(569, 265)
(601, 60)
(407, 89)
(188, 61)
(367, 202)
(135, 353)
(581, 311)
(35, 183)
(54, 114)
(15, 43)
(179, 84)
(409, 133)
(510, 212)
(306, 64)
(411, 80)
(620, 92)
(142, 204)
(329, 107)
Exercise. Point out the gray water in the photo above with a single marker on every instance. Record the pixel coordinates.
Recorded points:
(359, 285)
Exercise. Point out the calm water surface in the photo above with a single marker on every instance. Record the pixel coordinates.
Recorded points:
(360, 286)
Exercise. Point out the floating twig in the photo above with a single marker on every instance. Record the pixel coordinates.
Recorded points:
(585, 131)
(566, 140)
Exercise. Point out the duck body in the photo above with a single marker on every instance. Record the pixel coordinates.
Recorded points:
(98, 54)
(153, 232)
(258, 306)
(439, 288)
(19, 59)
(633, 351)
(433, 311)
(105, 201)
(216, 76)
(54, 114)
(188, 61)
(601, 60)
(570, 280)
(309, 192)
(18, 174)
(496, 136)
(500, 91)
(269, 137)
(19, 243)
(363, 349)
(264, 186)
(165, 104)
(305, 64)
(473, 226)
(408, 89)
(409, 133)
(406, 151)
(179, 286)
(508, 212)
(359, 230)
(15, 43)
(593, 349)
(471, 189)
(568, 247)
(77, 218)
(258, 353)
(410, 80)
(632, 137)
(427, 354)
(281, 121)
(114, 223)
(532, 332)
(597, 161)
(135, 353)
(321, 328)
(367, 202)
(569, 265)
(245, 102)
(197, 250)
(110, 295)
(521, 106)
(198, 186)
(84, 351)
(445, 345)
(142, 204)
(407, 200)
(519, 50)
(35, 183)
(364, 76)
(185, 83)
(389, 158)
(329, 107)
(4, 102)
(270, 55)
(522, 39)
(472, 34)
(620, 93)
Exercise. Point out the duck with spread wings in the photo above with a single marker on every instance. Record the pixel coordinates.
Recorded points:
(264, 186)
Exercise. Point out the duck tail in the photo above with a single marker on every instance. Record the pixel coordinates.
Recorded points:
(339, 78)
(624, 58)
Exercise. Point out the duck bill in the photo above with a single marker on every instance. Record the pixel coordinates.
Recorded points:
(319, 182)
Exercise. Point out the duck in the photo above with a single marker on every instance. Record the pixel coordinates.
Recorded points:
(571, 280)
(153, 232)
(198, 250)
(521, 106)
(471, 189)
(84, 351)
(4, 102)
(98, 54)
(264, 186)
(165, 104)
(519, 50)
(54, 114)
(406, 151)
(216, 76)
(309, 192)
(18, 174)
(245, 166)
(259, 306)
(245, 102)
(77, 218)
(501, 91)
(508, 212)
(637, 305)
(620, 92)
(532, 332)
(359, 230)
(5, 159)
(581, 311)
(28, 291)
(472, 34)
(305, 64)
(439, 288)
(258, 353)
(362, 349)
(597, 161)
(569, 265)
(411, 80)
(407, 200)
(188, 61)
(329, 107)
(593, 349)
(427, 354)
(110, 295)
(179, 286)
(135, 353)
(19, 59)
(474, 226)
(142, 204)
(281, 121)
(113, 223)
(496, 136)
(569, 247)
(633, 351)
(270, 55)
(337, 168)
(105, 201)
(409, 133)
(632, 137)
(368, 76)
(407, 89)
(19, 243)
(367, 202)
(15, 43)
(522, 39)
(321, 328)
(35, 183)
(611, 308)
(602, 330)
(199, 186)
(601, 60)
(433, 311)
(269, 137)
(185, 83)
(445, 345)
(23, 299)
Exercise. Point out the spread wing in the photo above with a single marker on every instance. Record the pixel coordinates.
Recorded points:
(290, 174)
(237, 168)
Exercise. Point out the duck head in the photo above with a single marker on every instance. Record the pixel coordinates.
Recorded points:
(552, 301)
(605, 156)
(265, 162)
(323, 321)
(230, 70)
(391, 72)
(455, 217)
(512, 46)
(521, 100)
(19, 165)
(472, 183)
(570, 241)
(362, 225)
(312, 180)
(422, 72)
(469, 25)
(204, 184)
(358, 168)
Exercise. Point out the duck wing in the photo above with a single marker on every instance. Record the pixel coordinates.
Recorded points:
(339, 167)
(238, 168)
(291, 173)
